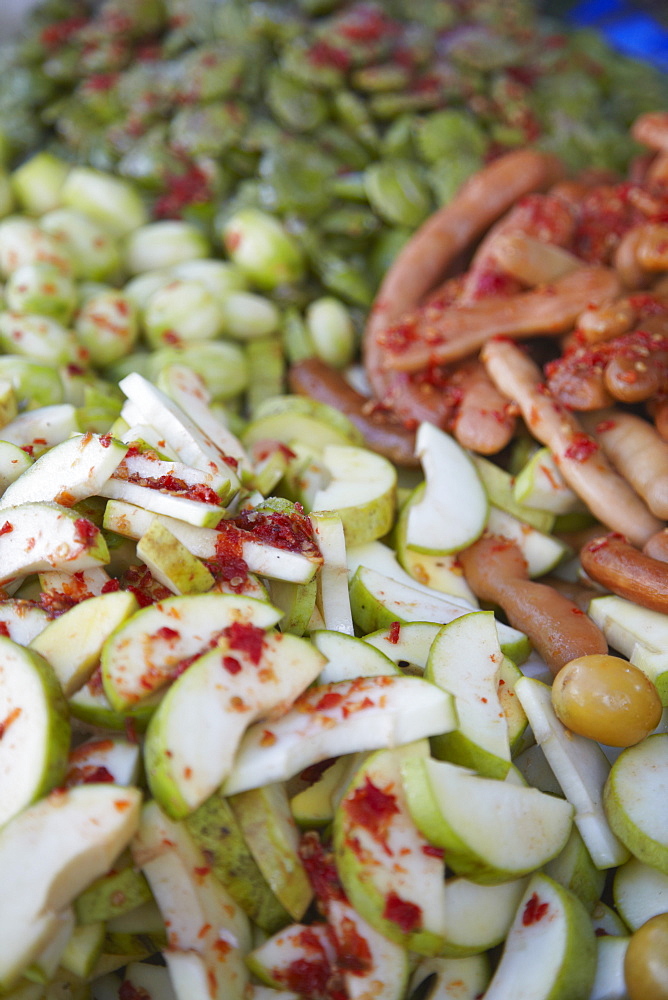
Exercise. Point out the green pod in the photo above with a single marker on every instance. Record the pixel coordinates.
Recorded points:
(350, 220)
(344, 276)
(295, 104)
(39, 338)
(353, 114)
(22, 242)
(208, 130)
(345, 148)
(42, 288)
(248, 316)
(164, 244)
(220, 363)
(94, 253)
(383, 77)
(296, 178)
(332, 331)
(109, 200)
(398, 191)
(304, 62)
(262, 248)
(38, 182)
(35, 384)
(107, 327)
(387, 106)
(180, 311)
(446, 177)
(208, 72)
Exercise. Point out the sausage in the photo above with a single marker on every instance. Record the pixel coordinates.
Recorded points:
(381, 430)
(626, 571)
(558, 629)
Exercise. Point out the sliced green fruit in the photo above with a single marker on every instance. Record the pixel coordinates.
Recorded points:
(377, 601)
(574, 869)
(451, 805)
(145, 652)
(348, 657)
(193, 737)
(120, 890)
(197, 910)
(171, 563)
(450, 978)
(332, 719)
(298, 418)
(384, 866)
(554, 929)
(500, 487)
(48, 854)
(34, 728)
(450, 511)
(540, 484)
(333, 598)
(640, 892)
(465, 659)
(215, 829)
(636, 801)
(73, 643)
(83, 950)
(478, 917)
(43, 536)
(268, 827)
(314, 806)
(361, 489)
(67, 473)
(542, 552)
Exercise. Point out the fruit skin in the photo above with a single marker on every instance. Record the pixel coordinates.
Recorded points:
(646, 961)
(635, 800)
(569, 952)
(606, 699)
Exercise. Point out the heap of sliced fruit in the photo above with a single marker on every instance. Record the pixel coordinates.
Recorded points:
(341, 797)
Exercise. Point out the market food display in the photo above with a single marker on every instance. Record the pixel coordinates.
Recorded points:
(333, 557)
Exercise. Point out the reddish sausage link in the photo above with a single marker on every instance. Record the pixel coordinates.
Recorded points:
(381, 430)
(440, 241)
(557, 628)
(626, 571)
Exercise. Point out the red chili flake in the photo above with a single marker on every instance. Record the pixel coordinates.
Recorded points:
(403, 913)
(393, 634)
(27, 448)
(581, 448)
(320, 866)
(12, 717)
(201, 872)
(432, 851)
(268, 738)
(6, 528)
(88, 774)
(353, 951)
(110, 586)
(122, 805)
(55, 35)
(167, 633)
(372, 808)
(39, 441)
(292, 532)
(323, 54)
(181, 190)
(231, 664)
(85, 530)
(534, 910)
(4, 629)
(307, 977)
(331, 699)
(247, 638)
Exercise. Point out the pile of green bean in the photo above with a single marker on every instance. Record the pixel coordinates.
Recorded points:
(322, 131)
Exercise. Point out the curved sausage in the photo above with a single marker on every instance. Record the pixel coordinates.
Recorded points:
(616, 564)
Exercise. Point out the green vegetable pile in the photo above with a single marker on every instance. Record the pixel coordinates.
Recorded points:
(350, 122)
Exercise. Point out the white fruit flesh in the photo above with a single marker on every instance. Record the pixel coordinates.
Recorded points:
(452, 511)
(193, 737)
(452, 807)
(143, 655)
(71, 838)
(332, 719)
(636, 800)
(34, 729)
(70, 472)
(550, 951)
(333, 597)
(41, 536)
(72, 643)
(362, 490)
(640, 891)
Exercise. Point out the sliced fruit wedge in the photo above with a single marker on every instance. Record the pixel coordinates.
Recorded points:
(636, 800)
(451, 510)
(72, 471)
(451, 806)
(70, 837)
(35, 537)
(333, 719)
(192, 739)
(553, 928)
(145, 653)
(34, 729)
